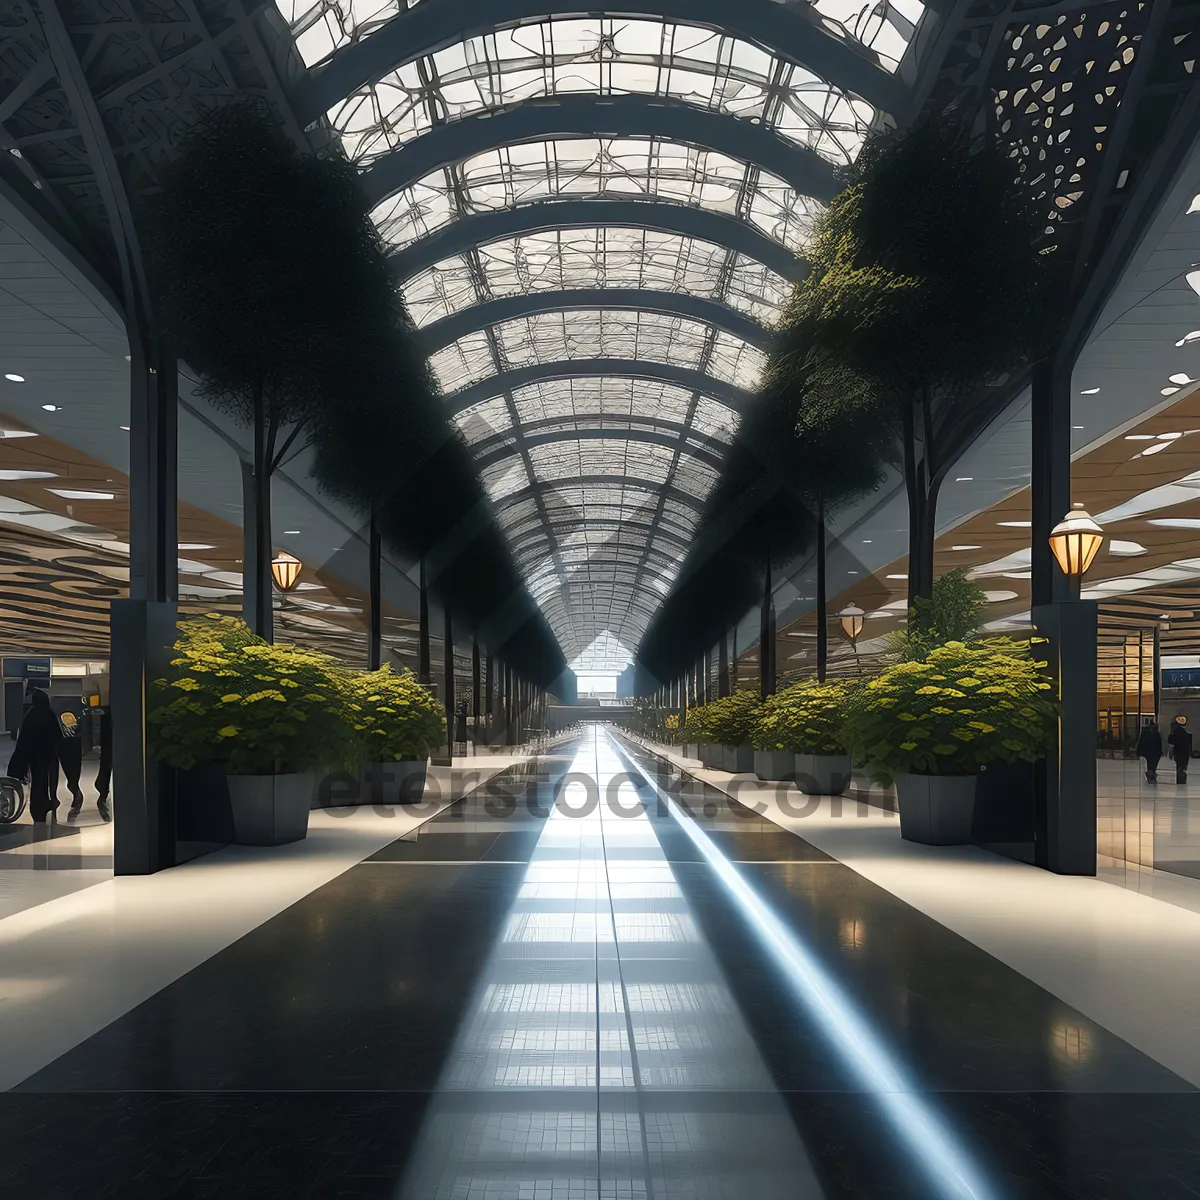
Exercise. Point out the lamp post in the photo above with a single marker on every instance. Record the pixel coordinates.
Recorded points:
(1065, 795)
(852, 618)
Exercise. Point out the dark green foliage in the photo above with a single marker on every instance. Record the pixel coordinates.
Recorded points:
(949, 615)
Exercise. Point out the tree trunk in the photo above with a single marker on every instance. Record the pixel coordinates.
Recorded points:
(822, 601)
(264, 611)
(922, 495)
(375, 633)
(424, 670)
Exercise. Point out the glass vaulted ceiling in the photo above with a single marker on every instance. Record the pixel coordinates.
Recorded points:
(599, 421)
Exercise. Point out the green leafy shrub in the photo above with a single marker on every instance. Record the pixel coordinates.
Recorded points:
(694, 729)
(965, 705)
(258, 709)
(949, 615)
(805, 718)
(730, 720)
(395, 718)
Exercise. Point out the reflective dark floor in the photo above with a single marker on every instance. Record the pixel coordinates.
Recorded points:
(596, 980)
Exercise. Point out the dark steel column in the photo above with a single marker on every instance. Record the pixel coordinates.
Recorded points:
(1050, 478)
(375, 633)
(766, 639)
(1157, 674)
(424, 669)
(448, 673)
(723, 666)
(822, 602)
(476, 685)
(143, 629)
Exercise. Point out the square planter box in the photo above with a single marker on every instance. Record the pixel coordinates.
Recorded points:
(936, 809)
(393, 783)
(691, 750)
(711, 755)
(270, 810)
(822, 774)
(738, 760)
(774, 765)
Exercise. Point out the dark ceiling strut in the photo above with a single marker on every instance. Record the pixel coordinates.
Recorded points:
(428, 27)
(592, 116)
(479, 229)
(449, 329)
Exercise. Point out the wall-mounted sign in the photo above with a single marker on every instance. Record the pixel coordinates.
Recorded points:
(33, 666)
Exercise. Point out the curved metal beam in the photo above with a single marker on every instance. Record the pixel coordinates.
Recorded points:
(660, 215)
(519, 541)
(570, 425)
(449, 329)
(601, 116)
(426, 28)
(648, 436)
(627, 481)
(580, 368)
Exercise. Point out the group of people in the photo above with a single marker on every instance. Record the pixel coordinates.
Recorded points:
(1150, 748)
(48, 742)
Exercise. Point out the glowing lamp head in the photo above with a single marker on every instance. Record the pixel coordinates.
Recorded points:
(852, 619)
(1074, 542)
(285, 569)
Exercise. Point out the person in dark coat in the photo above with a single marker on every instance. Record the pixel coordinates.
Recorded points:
(36, 753)
(1180, 741)
(1150, 747)
(70, 758)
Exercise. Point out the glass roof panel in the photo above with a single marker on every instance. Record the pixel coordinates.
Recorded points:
(623, 168)
(597, 333)
(885, 26)
(603, 257)
(602, 55)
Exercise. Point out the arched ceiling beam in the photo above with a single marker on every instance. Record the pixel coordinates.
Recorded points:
(605, 424)
(711, 456)
(449, 329)
(633, 482)
(601, 116)
(426, 28)
(528, 538)
(662, 216)
(618, 368)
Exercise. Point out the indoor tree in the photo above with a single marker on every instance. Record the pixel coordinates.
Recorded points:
(266, 268)
(929, 287)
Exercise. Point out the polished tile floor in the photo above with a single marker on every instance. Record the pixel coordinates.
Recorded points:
(598, 978)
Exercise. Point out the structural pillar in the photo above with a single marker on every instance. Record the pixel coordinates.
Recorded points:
(424, 669)
(476, 711)
(723, 666)
(822, 600)
(375, 594)
(448, 674)
(766, 639)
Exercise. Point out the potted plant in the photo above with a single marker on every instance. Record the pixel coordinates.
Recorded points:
(396, 721)
(270, 715)
(694, 736)
(730, 725)
(932, 726)
(798, 735)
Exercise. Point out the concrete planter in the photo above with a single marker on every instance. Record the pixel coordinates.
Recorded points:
(936, 809)
(822, 774)
(711, 755)
(270, 810)
(691, 750)
(737, 760)
(774, 765)
(392, 783)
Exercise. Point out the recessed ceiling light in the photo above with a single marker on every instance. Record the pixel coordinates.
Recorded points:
(124, 427)
(15, 378)
(1125, 549)
(897, 576)
(966, 547)
(1076, 426)
(1193, 207)
(1180, 377)
(1189, 338)
(851, 572)
(1016, 524)
(287, 531)
(8, 476)
(50, 407)
(17, 433)
(1176, 522)
(1149, 450)
(195, 546)
(1167, 391)
(1139, 437)
(1089, 391)
(866, 541)
(965, 479)
(74, 494)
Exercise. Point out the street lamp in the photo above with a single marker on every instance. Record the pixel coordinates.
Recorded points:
(285, 569)
(852, 619)
(1074, 542)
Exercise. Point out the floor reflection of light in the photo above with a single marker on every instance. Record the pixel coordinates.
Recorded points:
(946, 1164)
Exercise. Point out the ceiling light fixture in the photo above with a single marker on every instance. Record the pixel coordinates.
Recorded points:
(12, 476)
(195, 546)
(965, 479)
(1139, 437)
(1016, 524)
(17, 433)
(1089, 391)
(14, 378)
(1180, 377)
(897, 576)
(79, 494)
(50, 407)
(966, 547)
(1189, 338)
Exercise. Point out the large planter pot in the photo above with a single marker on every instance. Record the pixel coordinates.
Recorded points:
(393, 782)
(711, 755)
(774, 765)
(737, 760)
(936, 809)
(270, 810)
(822, 774)
(691, 750)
